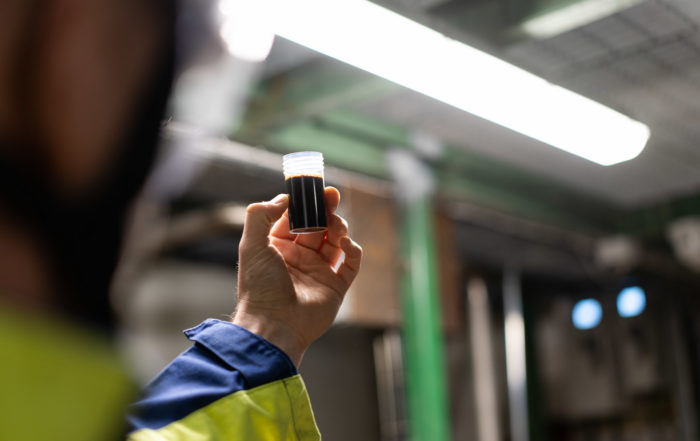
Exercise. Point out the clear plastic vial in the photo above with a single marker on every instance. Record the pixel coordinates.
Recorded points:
(303, 175)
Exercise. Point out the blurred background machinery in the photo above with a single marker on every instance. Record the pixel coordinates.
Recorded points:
(509, 291)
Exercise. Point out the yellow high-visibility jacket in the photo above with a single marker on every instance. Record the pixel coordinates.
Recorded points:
(230, 385)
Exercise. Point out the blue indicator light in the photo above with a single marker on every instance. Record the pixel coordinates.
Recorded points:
(631, 301)
(586, 314)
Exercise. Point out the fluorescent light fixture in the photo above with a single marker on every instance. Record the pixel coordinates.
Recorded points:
(573, 16)
(389, 45)
(586, 314)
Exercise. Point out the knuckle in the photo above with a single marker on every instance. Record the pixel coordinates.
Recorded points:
(341, 225)
(357, 253)
(355, 246)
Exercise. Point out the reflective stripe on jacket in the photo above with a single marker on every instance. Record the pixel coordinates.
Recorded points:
(230, 385)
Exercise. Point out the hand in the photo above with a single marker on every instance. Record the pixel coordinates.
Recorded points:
(288, 292)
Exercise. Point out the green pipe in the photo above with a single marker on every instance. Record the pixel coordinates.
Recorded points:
(423, 342)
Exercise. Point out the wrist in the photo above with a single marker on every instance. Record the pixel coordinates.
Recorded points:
(274, 331)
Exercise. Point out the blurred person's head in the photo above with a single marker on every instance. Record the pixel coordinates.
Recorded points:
(83, 86)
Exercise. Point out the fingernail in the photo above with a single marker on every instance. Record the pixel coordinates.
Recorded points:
(279, 199)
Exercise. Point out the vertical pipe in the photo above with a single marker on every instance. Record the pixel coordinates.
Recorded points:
(390, 386)
(683, 380)
(516, 374)
(485, 391)
(425, 370)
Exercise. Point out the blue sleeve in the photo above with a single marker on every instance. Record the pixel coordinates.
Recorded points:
(224, 359)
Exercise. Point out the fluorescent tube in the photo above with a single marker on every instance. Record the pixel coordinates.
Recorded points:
(573, 16)
(379, 41)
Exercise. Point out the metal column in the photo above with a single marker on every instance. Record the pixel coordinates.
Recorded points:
(423, 342)
(485, 388)
(516, 371)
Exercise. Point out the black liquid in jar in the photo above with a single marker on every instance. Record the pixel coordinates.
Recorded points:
(307, 205)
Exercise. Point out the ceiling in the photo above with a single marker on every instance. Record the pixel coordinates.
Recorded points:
(643, 61)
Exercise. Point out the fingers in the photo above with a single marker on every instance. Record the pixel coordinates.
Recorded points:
(332, 196)
(293, 254)
(281, 228)
(311, 241)
(259, 220)
(337, 229)
(314, 240)
(305, 260)
(353, 257)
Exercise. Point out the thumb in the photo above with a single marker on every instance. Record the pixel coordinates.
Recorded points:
(259, 219)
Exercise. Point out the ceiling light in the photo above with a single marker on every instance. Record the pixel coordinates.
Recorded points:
(379, 41)
(573, 16)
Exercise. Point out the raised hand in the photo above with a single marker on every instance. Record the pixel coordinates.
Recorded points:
(290, 286)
